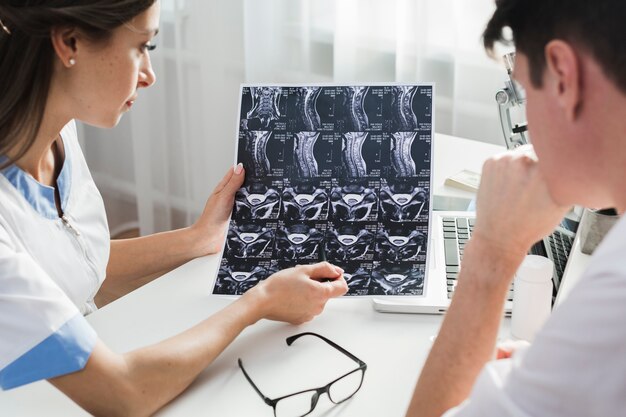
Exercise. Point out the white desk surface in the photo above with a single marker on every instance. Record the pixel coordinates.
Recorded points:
(451, 155)
(394, 346)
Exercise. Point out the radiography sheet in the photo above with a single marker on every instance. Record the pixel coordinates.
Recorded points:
(340, 173)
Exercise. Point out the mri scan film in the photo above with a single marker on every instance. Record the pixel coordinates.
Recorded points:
(337, 173)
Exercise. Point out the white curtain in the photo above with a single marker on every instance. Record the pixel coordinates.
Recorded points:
(158, 167)
(383, 40)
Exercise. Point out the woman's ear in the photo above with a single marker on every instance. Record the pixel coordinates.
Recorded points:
(64, 44)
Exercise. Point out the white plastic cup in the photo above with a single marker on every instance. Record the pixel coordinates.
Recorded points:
(532, 297)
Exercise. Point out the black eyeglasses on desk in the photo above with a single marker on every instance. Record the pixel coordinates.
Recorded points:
(303, 402)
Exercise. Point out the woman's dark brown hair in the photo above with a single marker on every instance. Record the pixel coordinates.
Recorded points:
(27, 56)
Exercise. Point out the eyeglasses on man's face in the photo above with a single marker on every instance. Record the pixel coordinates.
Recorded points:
(302, 403)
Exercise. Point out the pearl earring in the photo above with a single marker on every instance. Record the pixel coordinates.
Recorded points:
(72, 62)
(6, 29)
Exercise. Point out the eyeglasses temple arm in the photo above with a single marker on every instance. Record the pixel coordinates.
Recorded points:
(293, 338)
(268, 401)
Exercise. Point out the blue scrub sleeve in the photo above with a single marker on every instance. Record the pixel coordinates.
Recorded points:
(65, 351)
(42, 333)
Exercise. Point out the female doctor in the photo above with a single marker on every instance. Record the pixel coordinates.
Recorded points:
(59, 61)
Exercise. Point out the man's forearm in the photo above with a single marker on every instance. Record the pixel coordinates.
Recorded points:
(466, 340)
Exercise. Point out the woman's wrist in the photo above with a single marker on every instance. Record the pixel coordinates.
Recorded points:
(204, 242)
(193, 241)
(254, 302)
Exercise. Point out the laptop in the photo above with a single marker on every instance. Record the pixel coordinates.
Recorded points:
(452, 231)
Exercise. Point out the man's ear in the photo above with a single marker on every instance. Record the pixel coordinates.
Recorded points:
(564, 76)
(64, 44)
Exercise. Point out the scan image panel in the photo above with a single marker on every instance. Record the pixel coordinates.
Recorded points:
(362, 153)
(250, 239)
(302, 201)
(347, 242)
(312, 156)
(235, 278)
(405, 107)
(398, 243)
(403, 201)
(359, 108)
(311, 109)
(258, 201)
(333, 172)
(300, 242)
(405, 155)
(403, 278)
(354, 201)
(263, 108)
(262, 154)
(358, 277)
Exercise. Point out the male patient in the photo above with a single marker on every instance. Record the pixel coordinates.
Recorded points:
(571, 60)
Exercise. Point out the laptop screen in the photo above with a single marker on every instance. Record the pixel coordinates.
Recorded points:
(333, 172)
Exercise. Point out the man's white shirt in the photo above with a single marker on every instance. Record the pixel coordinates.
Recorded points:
(576, 367)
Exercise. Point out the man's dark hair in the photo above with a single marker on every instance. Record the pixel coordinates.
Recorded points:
(597, 26)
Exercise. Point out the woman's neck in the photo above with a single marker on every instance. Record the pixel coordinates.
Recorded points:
(42, 161)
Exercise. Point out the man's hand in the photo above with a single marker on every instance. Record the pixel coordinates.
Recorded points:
(514, 208)
(297, 295)
(506, 349)
(210, 228)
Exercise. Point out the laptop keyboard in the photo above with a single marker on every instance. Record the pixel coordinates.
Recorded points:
(560, 243)
(458, 230)
(557, 248)
(456, 234)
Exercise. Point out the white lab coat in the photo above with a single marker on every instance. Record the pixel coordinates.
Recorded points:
(50, 269)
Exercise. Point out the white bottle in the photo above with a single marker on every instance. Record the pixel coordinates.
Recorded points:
(532, 296)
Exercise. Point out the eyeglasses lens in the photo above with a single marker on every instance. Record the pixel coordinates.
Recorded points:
(345, 387)
(296, 405)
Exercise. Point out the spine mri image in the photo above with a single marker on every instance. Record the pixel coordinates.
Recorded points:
(332, 172)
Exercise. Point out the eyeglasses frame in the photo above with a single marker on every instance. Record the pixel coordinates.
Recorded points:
(319, 391)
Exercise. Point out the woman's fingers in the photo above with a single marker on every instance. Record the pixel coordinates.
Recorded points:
(322, 270)
(330, 278)
(336, 288)
(296, 295)
(232, 180)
